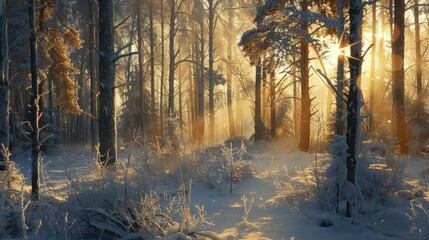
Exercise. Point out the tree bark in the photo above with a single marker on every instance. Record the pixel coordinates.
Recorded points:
(229, 74)
(273, 102)
(34, 120)
(107, 119)
(4, 86)
(200, 86)
(92, 39)
(211, 70)
(398, 85)
(419, 72)
(141, 77)
(172, 56)
(354, 96)
(161, 92)
(258, 112)
(339, 121)
(372, 70)
(152, 61)
(304, 141)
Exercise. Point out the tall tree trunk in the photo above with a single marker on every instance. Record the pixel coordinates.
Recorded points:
(354, 96)
(380, 84)
(398, 85)
(4, 85)
(419, 71)
(161, 92)
(200, 86)
(152, 61)
(339, 121)
(35, 133)
(296, 117)
(372, 70)
(107, 124)
(141, 72)
(211, 70)
(231, 35)
(258, 112)
(273, 101)
(172, 56)
(92, 39)
(304, 141)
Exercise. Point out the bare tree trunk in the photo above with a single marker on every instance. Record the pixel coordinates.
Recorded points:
(172, 55)
(4, 85)
(354, 96)
(398, 85)
(229, 74)
(372, 70)
(141, 77)
(200, 86)
(161, 92)
(273, 101)
(92, 37)
(211, 70)
(380, 85)
(35, 133)
(107, 120)
(304, 141)
(419, 72)
(152, 61)
(339, 121)
(258, 112)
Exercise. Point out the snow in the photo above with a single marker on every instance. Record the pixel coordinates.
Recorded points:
(269, 216)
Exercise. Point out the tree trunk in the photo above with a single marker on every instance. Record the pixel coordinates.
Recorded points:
(229, 74)
(398, 85)
(161, 92)
(92, 37)
(200, 86)
(380, 84)
(354, 96)
(211, 70)
(172, 55)
(141, 77)
(419, 72)
(152, 63)
(273, 101)
(4, 86)
(372, 70)
(304, 141)
(35, 133)
(339, 121)
(258, 112)
(106, 77)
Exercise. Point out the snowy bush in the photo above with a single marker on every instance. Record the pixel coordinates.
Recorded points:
(11, 183)
(218, 164)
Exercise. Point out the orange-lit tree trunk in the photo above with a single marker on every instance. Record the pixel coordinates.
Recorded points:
(372, 70)
(398, 85)
(339, 121)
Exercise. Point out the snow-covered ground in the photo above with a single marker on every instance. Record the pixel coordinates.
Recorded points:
(270, 218)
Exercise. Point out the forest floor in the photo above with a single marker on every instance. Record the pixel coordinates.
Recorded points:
(271, 217)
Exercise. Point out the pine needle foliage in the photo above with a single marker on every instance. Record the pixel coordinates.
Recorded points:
(57, 38)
